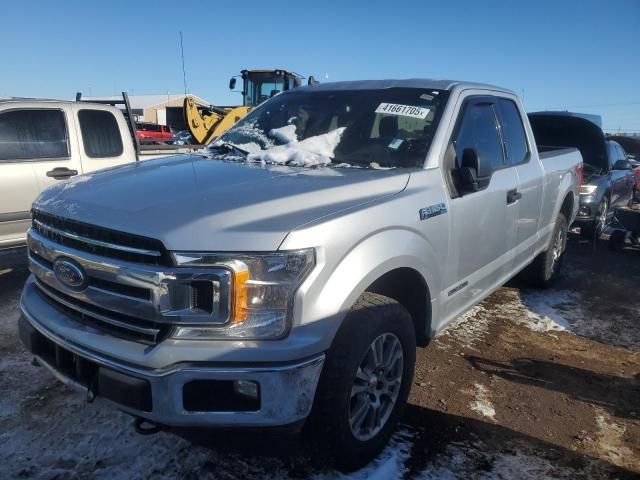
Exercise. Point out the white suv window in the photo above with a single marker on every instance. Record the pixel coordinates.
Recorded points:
(30, 134)
(100, 133)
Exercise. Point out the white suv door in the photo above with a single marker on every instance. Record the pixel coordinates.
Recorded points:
(36, 151)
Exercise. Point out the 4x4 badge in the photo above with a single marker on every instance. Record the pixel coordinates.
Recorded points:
(433, 211)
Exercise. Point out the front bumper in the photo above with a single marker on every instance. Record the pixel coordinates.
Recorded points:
(285, 391)
(587, 209)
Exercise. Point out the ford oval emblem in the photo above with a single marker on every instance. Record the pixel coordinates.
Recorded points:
(69, 273)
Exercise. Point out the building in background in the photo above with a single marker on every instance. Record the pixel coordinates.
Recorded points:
(163, 109)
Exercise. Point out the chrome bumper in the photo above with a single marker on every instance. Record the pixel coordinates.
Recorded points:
(286, 391)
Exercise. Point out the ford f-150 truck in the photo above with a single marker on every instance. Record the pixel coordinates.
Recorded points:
(286, 279)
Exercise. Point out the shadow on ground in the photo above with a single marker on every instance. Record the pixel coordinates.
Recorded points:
(618, 395)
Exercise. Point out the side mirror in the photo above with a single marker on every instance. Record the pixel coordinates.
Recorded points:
(622, 165)
(312, 81)
(232, 83)
(473, 173)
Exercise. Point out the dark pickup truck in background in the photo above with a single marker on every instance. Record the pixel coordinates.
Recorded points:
(609, 180)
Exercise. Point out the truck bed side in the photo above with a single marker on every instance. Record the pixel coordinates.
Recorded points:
(561, 175)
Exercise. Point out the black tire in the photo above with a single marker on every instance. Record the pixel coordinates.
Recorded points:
(328, 428)
(543, 271)
(595, 227)
(617, 240)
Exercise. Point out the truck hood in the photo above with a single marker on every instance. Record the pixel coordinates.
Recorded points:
(193, 203)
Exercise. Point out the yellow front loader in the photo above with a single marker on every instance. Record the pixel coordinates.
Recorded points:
(205, 124)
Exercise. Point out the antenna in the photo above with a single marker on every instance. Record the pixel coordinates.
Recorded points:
(184, 74)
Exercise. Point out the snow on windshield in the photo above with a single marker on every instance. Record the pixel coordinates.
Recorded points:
(310, 152)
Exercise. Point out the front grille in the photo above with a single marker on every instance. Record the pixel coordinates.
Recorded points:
(116, 324)
(99, 240)
(106, 285)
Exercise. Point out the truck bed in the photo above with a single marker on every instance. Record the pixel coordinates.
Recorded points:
(549, 151)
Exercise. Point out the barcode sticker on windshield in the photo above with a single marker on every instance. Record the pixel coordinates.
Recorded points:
(403, 110)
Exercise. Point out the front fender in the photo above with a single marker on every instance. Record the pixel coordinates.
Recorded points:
(332, 289)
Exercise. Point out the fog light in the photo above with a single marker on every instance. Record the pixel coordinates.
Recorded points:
(584, 211)
(246, 388)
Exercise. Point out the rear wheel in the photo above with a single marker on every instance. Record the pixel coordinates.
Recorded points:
(364, 384)
(545, 268)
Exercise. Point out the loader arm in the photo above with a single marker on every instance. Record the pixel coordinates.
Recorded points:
(206, 126)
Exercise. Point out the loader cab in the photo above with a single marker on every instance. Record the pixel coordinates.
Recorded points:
(260, 85)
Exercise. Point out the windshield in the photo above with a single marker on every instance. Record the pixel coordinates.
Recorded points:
(387, 128)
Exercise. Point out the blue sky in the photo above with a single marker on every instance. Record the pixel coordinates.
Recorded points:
(582, 55)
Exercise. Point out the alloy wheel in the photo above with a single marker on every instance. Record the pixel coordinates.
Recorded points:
(376, 386)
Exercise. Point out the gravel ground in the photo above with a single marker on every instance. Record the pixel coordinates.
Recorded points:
(528, 385)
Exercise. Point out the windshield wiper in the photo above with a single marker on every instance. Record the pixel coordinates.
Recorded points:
(229, 147)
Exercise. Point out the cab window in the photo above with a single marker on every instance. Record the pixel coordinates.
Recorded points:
(479, 130)
(513, 136)
(100, 133)
(33, 134)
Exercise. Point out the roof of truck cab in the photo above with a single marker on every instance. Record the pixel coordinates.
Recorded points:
(404, 83)
(32, 100)
(50, 103)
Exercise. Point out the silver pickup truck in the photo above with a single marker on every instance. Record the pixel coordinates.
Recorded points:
(287, 278)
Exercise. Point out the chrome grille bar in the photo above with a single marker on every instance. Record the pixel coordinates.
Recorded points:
(98, 243)
(150, 332)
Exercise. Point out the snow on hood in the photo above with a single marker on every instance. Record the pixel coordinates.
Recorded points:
(310, 152)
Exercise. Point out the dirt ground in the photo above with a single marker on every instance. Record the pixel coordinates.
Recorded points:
(528, 384)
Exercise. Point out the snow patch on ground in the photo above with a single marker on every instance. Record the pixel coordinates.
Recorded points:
(552, 310)
(388, 465)
(466, 330)
(465, 460)
(482, 404)
(610, 442)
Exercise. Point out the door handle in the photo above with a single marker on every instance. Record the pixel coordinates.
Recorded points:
(513, 196)
(61, 173)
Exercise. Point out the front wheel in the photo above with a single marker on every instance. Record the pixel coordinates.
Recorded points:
(596, 226)
(365, 382)
(545, 268)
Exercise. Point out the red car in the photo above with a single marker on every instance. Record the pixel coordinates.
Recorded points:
(150, 132)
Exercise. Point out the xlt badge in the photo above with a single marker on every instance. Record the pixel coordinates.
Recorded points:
(433, 211)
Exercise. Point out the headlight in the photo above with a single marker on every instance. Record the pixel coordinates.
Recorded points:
(588, 189)
(261, 292)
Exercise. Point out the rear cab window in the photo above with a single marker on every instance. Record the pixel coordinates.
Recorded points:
(33, 134)
(100, 133)
(513, 135)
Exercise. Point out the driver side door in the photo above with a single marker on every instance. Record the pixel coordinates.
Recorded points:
(483, 222)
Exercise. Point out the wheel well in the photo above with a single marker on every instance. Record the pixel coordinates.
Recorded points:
(407, 287)
(567, 206)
